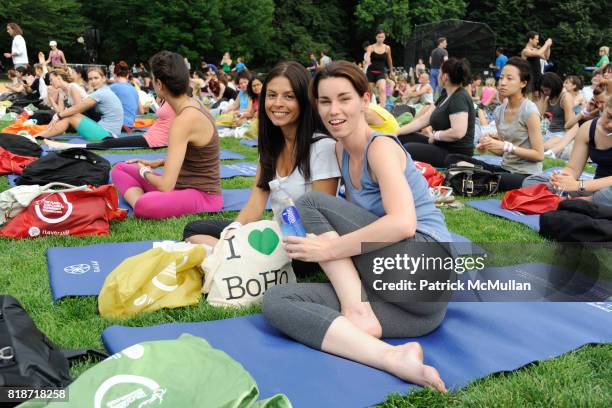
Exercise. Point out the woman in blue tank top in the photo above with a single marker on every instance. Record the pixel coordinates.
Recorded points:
(388, 204)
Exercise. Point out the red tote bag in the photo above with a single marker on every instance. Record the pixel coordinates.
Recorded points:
(11, 163)
(535, 199)
(79, 213)
(434, 177)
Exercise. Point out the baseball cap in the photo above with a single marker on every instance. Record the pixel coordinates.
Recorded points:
(53, 44)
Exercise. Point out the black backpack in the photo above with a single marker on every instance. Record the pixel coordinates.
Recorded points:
(577, 221)
(27, 357)
(472, 181)
(19, 145)
(71, 166)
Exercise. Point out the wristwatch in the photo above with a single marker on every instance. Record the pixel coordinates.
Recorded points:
(581, 186)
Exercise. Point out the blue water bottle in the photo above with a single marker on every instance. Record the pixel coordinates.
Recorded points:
(285, 213)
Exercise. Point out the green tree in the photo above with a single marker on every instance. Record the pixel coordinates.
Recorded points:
(577, 27)
(42, 21)
(397, 17)
(302, 27)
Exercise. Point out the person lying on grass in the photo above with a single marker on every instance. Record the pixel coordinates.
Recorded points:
(156, 136)
(191, 181)
(388, 202)
(106, 103)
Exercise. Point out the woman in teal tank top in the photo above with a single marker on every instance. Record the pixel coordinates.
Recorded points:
(388, 203)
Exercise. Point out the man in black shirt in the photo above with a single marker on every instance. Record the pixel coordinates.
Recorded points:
(438, 56)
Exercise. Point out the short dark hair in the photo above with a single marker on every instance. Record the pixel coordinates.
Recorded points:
(553, 82)
(440, 40)
(531, 34)
(380, 31)
(524, 71)
(271, 140)
(170, 69)
(458, 71)
(500, 50)
(476, 77)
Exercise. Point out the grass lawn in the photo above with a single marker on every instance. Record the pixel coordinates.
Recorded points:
(578, 379)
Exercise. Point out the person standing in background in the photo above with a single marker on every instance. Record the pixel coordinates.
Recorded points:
(500, 63)
(19, 51)
(533, 54)
(438, 56)
(325, 60)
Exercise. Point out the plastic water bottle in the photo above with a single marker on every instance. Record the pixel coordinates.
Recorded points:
(285, 212)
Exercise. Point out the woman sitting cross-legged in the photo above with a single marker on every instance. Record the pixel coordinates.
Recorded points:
(594, 141)
(291, 149)
(389, 204)
(518, 139)
(452, 119)
(106, 103)
(191, 180)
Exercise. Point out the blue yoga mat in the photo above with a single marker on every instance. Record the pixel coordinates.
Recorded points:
(81, 271)
(489, 159)
(227, 170)
(117, 157)
(475, 340)
(249, 142)
(243, 169)
(494, 207)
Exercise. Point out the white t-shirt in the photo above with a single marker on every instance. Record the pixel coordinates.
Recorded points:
(19, 48)
(323, 165)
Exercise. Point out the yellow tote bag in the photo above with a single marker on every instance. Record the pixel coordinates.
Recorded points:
(168, 276)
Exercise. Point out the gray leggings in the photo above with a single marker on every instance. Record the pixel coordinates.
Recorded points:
(602, 197)
(304, 311)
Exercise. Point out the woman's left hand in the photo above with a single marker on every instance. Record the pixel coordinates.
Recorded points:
(312, 248)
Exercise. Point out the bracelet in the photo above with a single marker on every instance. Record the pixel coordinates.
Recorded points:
(436, 135)
(581, 186)
(144, 170)
(508, 147)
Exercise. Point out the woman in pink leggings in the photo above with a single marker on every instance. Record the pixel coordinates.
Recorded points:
(191, 180)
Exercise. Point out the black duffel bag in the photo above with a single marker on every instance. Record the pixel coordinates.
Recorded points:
(577, 221)
(469, 181)
(74, 166)
(19, 145)
(27, 357)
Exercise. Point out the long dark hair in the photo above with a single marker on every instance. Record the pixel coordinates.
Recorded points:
(271, 140)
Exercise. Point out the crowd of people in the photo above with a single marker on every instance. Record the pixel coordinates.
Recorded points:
(318, 127)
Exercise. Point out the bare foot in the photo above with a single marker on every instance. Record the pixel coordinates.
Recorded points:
(362, 316)
(56, 145)
(406, 362)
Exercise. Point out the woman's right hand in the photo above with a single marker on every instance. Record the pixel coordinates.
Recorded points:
(150, 163)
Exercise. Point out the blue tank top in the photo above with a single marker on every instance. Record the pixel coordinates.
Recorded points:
(601, 157)
(244, 100)
(430, 220)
